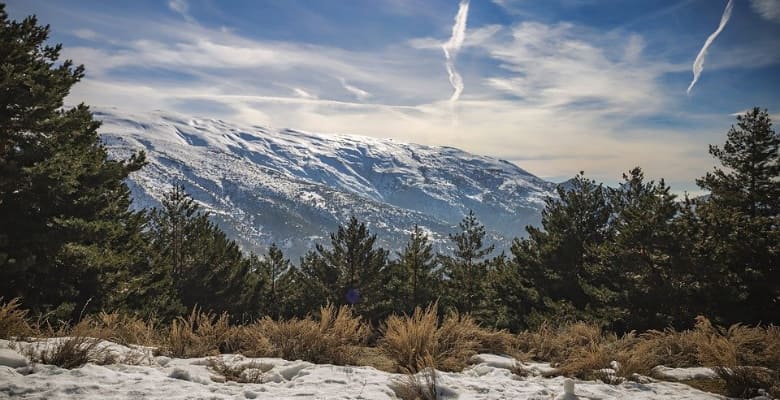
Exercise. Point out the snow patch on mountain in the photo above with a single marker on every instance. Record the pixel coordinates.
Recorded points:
(288, 186)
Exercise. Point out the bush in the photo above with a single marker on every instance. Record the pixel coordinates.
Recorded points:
(201, 334)
(333, 339)
(247, 372)
(13, 320)
(749, 382)
(417, 386)
(409, 340)
(73, 352)
(125, 329)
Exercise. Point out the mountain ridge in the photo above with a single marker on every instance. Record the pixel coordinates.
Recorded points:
(293, 187)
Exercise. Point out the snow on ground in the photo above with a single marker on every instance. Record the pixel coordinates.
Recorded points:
(171, 378)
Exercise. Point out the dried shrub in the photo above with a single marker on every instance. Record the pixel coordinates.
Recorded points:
(125, 329)
(201, 334)
(246, 372)
(557, 344)
(73, 352)
(739, 345)
(409, 340)
(417, 384)
(333, 339)
(749, 382)
(13, 320)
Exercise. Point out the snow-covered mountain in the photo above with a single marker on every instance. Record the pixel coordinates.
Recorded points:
(294, 188)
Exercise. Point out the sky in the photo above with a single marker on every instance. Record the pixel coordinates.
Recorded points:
(557, 86)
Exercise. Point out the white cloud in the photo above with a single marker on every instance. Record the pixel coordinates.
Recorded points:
(180, 6)
(452, 47)
(359, 93)
(698, 63)
(557, 97)
(768, 9)
(86, 34)
(303, 94)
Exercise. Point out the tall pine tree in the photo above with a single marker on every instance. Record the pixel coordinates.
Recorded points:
(415, 275)
(740, 219)
(67, 231)
(466, 271)
(561, 258)
(351, 271)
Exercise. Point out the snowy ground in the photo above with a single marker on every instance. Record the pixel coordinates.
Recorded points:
(166, 378)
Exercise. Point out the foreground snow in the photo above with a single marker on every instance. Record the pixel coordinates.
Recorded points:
(166, 378)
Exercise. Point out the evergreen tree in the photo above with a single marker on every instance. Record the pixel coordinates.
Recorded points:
(740, 219)
(67, 231)
(193, 262)
(514, 295)
(642, 254)
(352, 271)
(561, 259)
(272, 270)
(466, 271)
(415, 279)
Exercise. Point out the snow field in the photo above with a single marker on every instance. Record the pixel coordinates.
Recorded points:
(139, 374)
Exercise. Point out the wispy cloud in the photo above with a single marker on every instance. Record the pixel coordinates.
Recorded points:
(180, 7)
(554, 95)
(698, 63)
(768, 9)
(452, 47)
(359, 93)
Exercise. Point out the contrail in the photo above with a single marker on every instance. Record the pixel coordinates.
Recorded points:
(698, 64)
(452, 47)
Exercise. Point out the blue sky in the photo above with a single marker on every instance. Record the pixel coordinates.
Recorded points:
(555, 86)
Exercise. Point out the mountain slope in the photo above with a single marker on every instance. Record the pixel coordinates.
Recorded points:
(293, 187)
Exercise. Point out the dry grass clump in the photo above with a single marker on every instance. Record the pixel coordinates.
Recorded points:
(585, 351)
(248, 372)
(75, 351)
(13, 320)
(200, 334)
(739, 345)
(749, 382)
(557, 344)
(333, 339)
(409, 340)
(125, 329)
(417, 384)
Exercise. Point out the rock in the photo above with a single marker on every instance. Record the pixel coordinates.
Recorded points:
(12, 358)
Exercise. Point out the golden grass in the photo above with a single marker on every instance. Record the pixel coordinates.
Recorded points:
(334, 339)
(410, 340)
(419, 383)
(746, 358)
(583, 350)
(13, 320)
(125, 329)
(248, 372)
(200, 334)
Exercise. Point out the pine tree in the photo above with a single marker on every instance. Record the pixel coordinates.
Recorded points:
(514, 295)
(415, 279)
(193, 262)
(67, 230)
(642, 254)
(352, 271)
(272, 270)
(740, 219)
(561, 259)
(466, 271)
